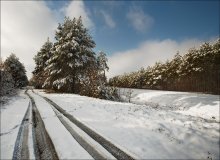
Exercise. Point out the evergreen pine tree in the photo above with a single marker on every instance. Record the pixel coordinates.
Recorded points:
(197, 70)
(39, 73)
(102, 65)
(72, 55)
(17, 70)
(6, 81)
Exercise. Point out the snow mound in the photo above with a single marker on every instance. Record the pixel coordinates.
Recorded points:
(194, 104)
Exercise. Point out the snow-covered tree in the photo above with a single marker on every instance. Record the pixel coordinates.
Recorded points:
(39, 73)
(6, 81)
(102, 65)
(72, 55)
(197, 70)
(172, 74)
(17, 70)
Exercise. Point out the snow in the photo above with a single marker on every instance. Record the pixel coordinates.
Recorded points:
(69, 35)
(161, 125)
(91, 141)
(30, 139)
(147, 131)
(52, 72)
(194, 104)
(12, 114)
(71, 65)
(69, 54)
(65, 144)
(60, 82)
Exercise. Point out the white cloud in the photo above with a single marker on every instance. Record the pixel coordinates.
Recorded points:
(76, 9)
(25, 26)
(147, 54)
(108, 19)
(140, 21)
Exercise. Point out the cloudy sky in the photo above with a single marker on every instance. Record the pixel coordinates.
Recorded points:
(134, 34)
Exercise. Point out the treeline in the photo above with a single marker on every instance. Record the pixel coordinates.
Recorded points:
(70, 64)
(12, 75)
(198, 71)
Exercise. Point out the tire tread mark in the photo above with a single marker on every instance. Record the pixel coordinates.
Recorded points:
(110, 147)
(21, 145)
(43, 145)
(96, 154)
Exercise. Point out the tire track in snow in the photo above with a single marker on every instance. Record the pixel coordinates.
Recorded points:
(43, 145)
(96, 154)
(8, 132)
(21, 150)
(110, 147)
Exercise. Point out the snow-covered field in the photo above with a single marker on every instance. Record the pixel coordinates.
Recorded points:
(145, 131)
(161, 125)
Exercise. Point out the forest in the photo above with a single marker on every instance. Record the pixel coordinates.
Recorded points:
(196, 71)
(70, 65)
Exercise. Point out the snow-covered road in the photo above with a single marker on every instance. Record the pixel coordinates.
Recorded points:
(55, 135)
(141, 131)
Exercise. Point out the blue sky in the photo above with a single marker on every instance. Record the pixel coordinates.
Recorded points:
(134, 34)
(176, 20)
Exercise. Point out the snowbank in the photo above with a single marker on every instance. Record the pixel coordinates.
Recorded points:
(194, 104)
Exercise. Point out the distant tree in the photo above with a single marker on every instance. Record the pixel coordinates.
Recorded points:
(17, 70)
(197, 70)
(39, 73)
(32, 81)
(102, 64)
